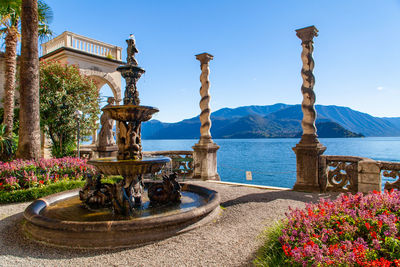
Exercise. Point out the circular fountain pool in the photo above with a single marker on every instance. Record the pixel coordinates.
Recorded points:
(61, 220)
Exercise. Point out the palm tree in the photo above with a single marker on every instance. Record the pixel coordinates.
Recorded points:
(10, 13)
(29, 115)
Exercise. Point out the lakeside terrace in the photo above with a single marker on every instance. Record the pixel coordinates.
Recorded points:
(231, 240)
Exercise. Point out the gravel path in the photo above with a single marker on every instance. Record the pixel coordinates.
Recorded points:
(232, 240)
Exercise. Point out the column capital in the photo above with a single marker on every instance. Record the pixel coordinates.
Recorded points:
(204, 58)
(307, 34)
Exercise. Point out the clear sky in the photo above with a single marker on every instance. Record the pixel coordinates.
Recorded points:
(256, 51)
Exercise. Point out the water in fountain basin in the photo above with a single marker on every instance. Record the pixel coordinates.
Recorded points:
(72, 209)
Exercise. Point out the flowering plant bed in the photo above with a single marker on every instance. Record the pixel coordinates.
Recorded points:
(26, 180)
(353, 230)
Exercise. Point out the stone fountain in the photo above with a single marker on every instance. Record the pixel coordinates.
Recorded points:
(105, 215)
(129, 162)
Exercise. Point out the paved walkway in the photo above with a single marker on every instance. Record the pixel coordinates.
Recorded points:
(232, 240)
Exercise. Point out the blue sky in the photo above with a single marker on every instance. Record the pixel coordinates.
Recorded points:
(256, 51)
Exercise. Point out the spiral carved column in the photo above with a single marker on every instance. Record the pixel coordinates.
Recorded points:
(309, 149)
(205, 134)
(205, 152)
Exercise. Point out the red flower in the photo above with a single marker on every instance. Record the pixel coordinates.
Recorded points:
(373, 234)
(322, 212)
(367, 225)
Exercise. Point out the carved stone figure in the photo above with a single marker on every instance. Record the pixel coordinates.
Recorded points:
(129, 141)
(166, 192)
(106, 135)
(96, 194)
(131, 51)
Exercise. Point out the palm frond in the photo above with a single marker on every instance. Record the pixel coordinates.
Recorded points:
(45, 13)
(45, 33)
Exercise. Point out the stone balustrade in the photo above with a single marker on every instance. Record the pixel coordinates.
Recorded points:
(181, 161)
(356, 174)
(391, 170)
(82, 43)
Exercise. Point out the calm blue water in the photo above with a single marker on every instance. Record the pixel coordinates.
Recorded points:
(272, 161)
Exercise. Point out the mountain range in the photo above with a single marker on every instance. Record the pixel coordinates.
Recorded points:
(276, 121)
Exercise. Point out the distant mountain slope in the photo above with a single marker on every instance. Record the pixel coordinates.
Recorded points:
(359, 122)
(230, 113)
(279, 120)
(351, 120)
(330, 129)
(394, 121)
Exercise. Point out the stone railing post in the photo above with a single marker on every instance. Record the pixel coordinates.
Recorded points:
(205, 152)
(309, 148)
(369, 176)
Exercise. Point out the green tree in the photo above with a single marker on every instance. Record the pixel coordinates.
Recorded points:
(10, 24)
(63, 90)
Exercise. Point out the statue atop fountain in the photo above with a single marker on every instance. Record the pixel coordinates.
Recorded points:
(131, 51)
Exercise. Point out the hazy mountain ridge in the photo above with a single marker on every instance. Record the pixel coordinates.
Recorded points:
(274, 121)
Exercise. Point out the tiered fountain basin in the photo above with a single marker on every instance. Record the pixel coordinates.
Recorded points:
(131, 112)
(113, 166)
(61, 220)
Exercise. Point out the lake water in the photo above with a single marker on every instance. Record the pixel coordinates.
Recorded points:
(272, 161)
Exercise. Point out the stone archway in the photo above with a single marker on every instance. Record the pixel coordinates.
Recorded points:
(102, 78)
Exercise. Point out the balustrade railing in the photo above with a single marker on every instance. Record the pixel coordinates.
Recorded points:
(339, 173)
(391, 170)
(356, 174)
(181, 161)
(82, 43)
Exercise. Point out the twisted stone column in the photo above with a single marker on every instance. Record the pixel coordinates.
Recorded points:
(205, 152)
(307, 89)
(205, 134)
(309, 149)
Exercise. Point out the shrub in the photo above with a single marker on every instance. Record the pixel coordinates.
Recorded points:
(16, 119)
(353, 230)
(25, 174)
(63, 90)
(30, 194)
(8, 145)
